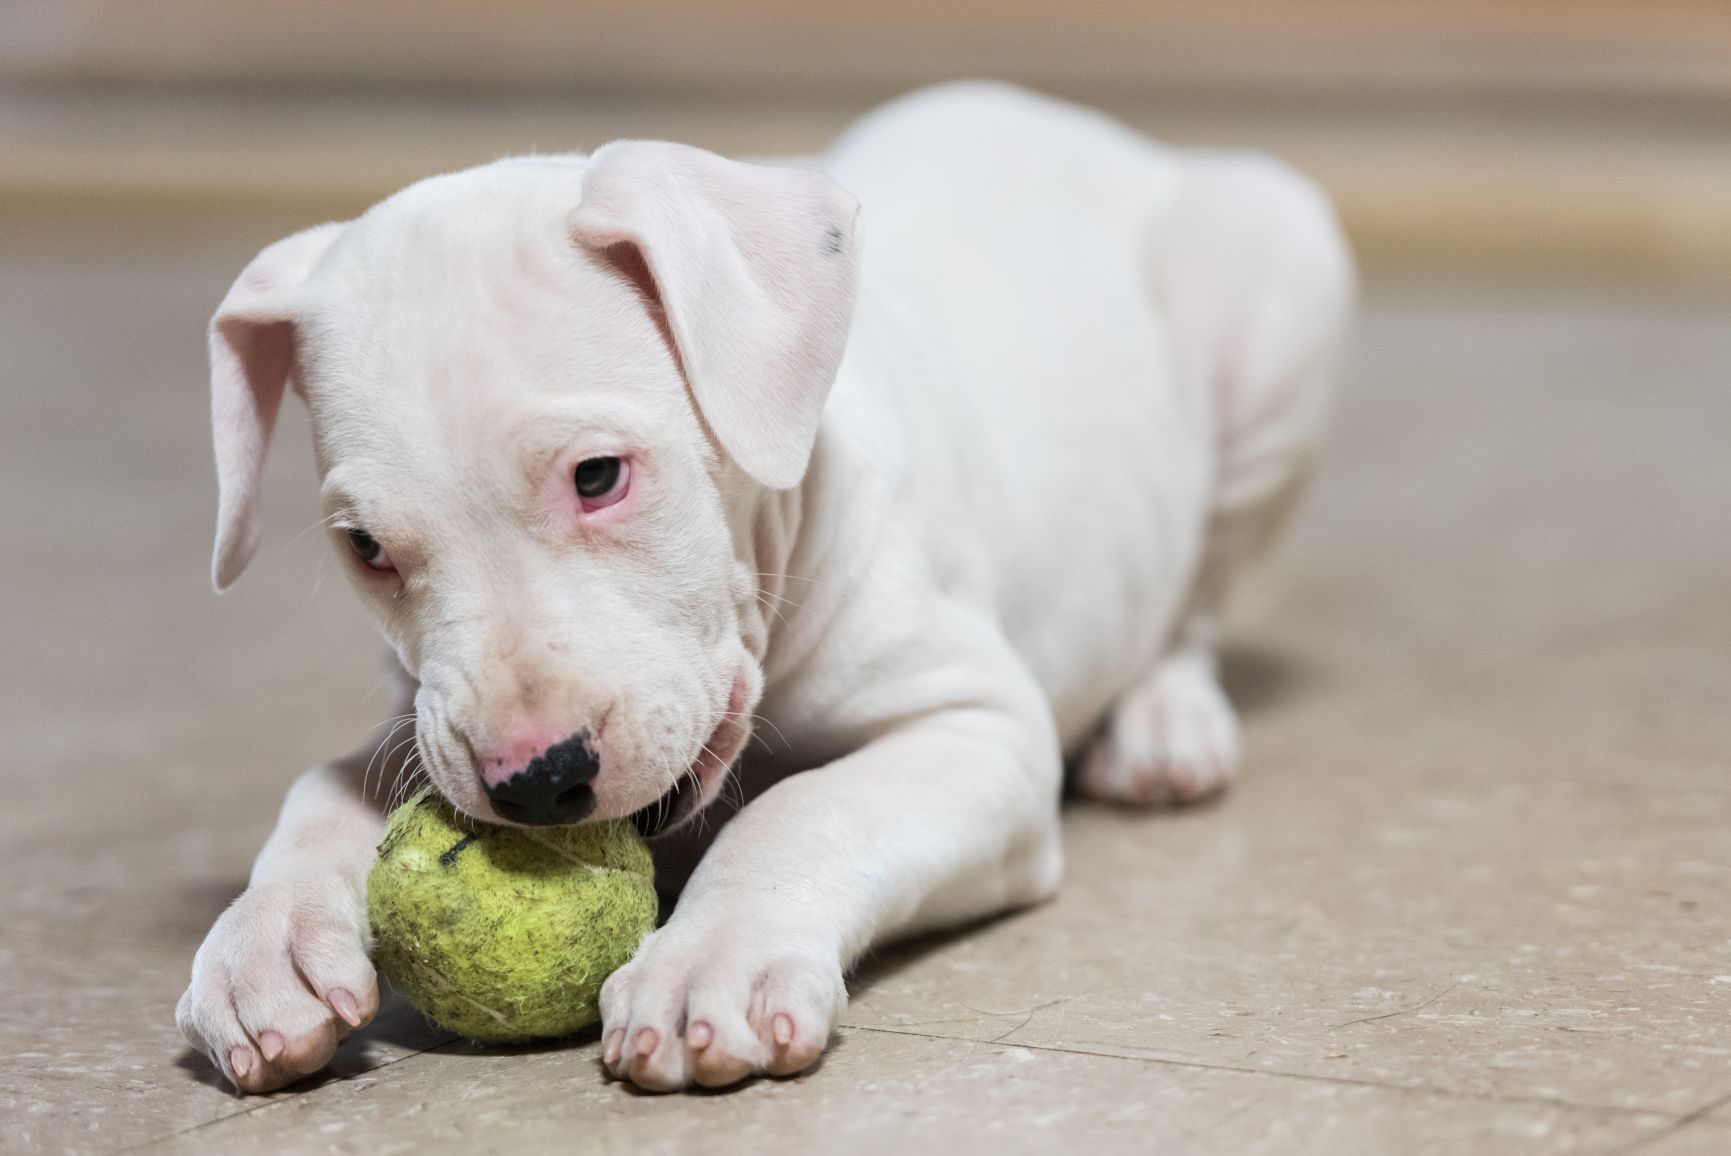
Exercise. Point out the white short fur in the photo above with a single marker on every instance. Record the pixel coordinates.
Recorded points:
(1084, 375)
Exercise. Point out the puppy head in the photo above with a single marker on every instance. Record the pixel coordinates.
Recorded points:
(546, 395)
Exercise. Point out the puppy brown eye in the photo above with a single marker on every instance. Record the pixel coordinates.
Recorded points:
(595, 476)
(367, 548)
(601, 481)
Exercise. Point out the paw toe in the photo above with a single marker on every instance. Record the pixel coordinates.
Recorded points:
(1173, 739)
(655, 1060)
(714, 1014)
(796, 1045)
(797, 1004)
(721, 1046)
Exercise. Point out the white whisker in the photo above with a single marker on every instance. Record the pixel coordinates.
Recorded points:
(774, 610)
(321, 524)
(392, 725)
(773, 727)
(796, 578)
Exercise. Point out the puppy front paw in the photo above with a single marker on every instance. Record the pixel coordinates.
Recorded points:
(1172, 738)
(281, 979)
(714, 1006)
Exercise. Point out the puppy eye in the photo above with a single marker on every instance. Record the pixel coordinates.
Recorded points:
(601, 481)
(367, 548)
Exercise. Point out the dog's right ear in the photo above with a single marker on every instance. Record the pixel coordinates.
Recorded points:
(755, 268)
(252, 355)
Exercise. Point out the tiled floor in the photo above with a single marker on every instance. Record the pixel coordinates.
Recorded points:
(1472, 895)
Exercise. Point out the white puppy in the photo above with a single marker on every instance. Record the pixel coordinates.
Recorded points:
(628, 451)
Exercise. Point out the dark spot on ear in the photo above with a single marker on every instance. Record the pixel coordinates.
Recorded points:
(449, 856)
(832, 241)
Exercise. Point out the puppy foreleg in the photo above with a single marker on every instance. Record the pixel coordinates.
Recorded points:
(951, 818)
(283, 975)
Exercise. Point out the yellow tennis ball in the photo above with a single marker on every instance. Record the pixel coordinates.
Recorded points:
(505, 934)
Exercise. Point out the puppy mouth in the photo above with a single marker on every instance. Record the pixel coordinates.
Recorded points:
(701, 782)
(679, 803)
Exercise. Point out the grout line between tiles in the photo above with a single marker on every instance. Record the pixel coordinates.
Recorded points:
(1415, 1089)
(264, 1104)
(1699, 1115)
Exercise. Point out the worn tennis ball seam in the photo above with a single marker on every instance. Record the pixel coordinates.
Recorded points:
(505, 934)
(450, 988)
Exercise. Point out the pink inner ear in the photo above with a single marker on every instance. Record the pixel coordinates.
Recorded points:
(252, 352)
(266, 349)
(250, 365)
(628, 261)
(754, 267)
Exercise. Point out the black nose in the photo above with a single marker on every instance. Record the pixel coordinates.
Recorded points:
(553, 789)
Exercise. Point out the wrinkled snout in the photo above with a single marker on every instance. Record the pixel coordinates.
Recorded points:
(540, 781)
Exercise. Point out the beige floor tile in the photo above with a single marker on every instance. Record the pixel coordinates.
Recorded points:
(91, 1060)
(883, 1091)
(1641, 707)
(1488, 797)
(1709, 1137)
(1543, 940)
(1508, 480)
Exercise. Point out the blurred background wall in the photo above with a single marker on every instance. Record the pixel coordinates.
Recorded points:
(1564, 138)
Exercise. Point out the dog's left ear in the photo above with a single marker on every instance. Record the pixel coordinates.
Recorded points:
(755, 268)
(252, 358)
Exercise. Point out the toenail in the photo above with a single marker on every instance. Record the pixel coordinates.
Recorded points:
(345, 1005)
(240, 1059)
(699, 1034)
(646, 1041)
(783, 1029)
(271, 1044)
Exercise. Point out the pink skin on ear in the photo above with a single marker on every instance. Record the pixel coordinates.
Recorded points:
(251, 363)
(754, 267)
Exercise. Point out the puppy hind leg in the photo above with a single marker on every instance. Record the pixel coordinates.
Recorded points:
(1172, 737)
(1257, 285)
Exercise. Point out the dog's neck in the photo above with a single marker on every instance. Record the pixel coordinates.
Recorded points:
(765, 525)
